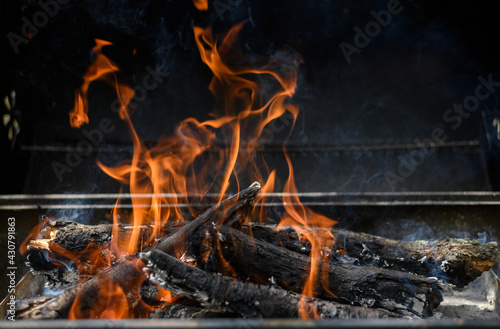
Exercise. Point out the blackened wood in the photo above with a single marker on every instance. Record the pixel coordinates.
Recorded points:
(58, 271)
(456, 261)
(61, 238)
(362, 285)
(63, 241)
(77, 237)
(236, 206)
(222, 293)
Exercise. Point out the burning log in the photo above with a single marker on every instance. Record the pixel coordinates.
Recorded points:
(77, 237)
(229, 211)
(221, 293)
(234, 208)
(123, 274)
(362, 285)
(456, 261)
(65, 243)
(259, 261)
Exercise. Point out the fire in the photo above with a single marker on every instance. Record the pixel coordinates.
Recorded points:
(35, 232)
(88, 261)
(101, 69)
(192, 162)
(201, 5)
(111, 301)
(305, 221)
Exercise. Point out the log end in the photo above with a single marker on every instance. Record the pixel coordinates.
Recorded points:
(464, 260)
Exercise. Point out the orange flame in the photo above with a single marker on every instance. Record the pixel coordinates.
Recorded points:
(191, 163)
(304, 221)
(201, 5)
(111, 300)
(35, 232)
(101, 69)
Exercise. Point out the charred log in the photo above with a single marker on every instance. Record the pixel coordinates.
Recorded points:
(369, 286)
(221, 293)
(230, 210)
(456, 261)
(63, 241)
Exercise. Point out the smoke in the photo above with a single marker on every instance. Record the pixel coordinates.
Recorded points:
(77, 212)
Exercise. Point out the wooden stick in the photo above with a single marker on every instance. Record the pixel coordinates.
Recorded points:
(236, 206)
(221, 293)
(261, 262)
(456, 261)
(66, 243)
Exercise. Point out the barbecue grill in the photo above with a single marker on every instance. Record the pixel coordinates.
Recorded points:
(363, 145)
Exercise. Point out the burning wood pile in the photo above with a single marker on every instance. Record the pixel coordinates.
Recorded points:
(228, 261)
(221, 265)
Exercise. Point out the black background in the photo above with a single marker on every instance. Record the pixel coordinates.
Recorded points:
(395, 91)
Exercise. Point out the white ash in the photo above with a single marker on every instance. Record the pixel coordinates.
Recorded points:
(444, 266)
(479, 300)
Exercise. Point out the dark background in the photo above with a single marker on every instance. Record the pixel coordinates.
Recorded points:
(356, 119)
